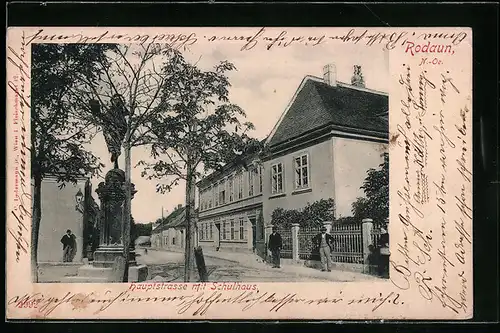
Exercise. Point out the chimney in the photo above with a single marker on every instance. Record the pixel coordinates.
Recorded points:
(357, 77)
(179, 206)
(330, 75)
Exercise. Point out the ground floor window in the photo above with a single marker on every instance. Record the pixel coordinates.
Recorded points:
(224, 234)
(242, 228)
(232, 229)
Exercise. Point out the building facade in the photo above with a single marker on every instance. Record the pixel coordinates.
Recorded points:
(170, 234)
(327, 139)
(230, 207)
(70, 207)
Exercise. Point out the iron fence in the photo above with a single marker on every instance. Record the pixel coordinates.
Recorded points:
(376, 232)
(347, 243)
(307, 250)
(286, 249)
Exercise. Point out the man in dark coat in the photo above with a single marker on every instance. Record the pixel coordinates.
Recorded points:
(274, 245)
(324, 243)
(69, 246)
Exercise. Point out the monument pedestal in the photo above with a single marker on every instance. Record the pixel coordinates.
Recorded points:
(107, 267)
(105, 256)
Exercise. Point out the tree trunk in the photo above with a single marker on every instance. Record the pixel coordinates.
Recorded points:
(189, 264)
(35, 225)
(127, 211)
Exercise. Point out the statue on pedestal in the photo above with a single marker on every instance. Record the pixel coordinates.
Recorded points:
(114, 125)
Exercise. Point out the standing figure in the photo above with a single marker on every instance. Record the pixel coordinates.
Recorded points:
(275, 243)
(114, 125)
(372, 260)
(324, 243)
(384, 253)
(69, 246)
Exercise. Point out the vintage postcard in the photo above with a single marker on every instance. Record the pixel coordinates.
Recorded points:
(239, 173)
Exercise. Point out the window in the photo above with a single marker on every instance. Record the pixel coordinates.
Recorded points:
(260, 178)
(277, 178)
(211, 231)
(250, 182)
(201, 232)
(223, 230)
(222, 193)
(240, 185)
(210, 197)
(227, 231)
(173, 240)
(232, 228)
(231, 188)
(202, 200)
(301, 172)
(206, 231)
(242, 229)
(216, 195)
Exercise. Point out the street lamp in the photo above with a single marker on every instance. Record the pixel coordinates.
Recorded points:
(79, 200)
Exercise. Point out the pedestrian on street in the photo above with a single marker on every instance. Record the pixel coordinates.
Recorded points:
(69, 246)
(324, 243)
(275, 243)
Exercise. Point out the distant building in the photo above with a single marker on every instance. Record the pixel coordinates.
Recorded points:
(70, 207)
(324, 143)
(171, 232)
(230, 207)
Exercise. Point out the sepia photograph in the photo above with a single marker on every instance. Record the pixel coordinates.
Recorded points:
(243, 173)
(208, 167)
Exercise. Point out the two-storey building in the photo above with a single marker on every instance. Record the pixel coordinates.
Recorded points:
(326, 140)
(230, 207)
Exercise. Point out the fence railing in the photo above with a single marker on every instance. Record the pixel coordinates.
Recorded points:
(376, 232)
(286, 249)
(306, 245)
(347, 243)
(350, 241)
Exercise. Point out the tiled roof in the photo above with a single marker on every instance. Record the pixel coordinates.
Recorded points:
(176, 219)
(318, 104)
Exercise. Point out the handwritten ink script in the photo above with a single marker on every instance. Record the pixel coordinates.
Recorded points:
(270, 39)
(434, 191)
(431, 182)
(20, 85)
(200, 303)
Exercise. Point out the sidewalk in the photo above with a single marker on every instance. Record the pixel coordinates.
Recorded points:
(251, 260)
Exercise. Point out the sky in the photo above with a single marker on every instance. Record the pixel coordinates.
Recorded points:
(263, 85)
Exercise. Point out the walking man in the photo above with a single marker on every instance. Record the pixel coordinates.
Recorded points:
(69, 246)
(324, 242)
(275, 243)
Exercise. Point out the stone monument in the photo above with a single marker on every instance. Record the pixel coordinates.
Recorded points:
(112, 197)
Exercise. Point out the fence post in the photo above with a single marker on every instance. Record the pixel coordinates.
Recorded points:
(367, 231)
(328, 226)
(295, 242)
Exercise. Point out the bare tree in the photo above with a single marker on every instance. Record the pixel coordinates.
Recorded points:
(201, 131)
(126, 98)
